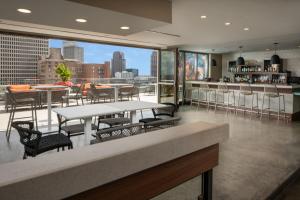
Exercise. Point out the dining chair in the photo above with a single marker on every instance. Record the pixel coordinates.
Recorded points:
(35, 143)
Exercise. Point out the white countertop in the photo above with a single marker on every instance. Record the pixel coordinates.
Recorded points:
(59, 175)
(238, 84)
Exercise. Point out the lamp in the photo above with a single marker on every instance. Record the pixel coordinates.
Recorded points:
(275, 59)
(213, 61)
(240, 60)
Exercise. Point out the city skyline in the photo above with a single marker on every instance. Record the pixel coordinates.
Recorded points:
(138, 58)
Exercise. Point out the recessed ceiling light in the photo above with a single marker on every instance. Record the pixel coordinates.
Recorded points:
(203, 17)
(23, 10)
(81, 20)
(227, 23)
(268, 49)
(246, 29)
(125, 27)
(298, 46)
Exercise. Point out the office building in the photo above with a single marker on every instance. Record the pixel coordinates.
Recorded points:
(118, 62)
(135, 71)
(19, 57)
(71, 50)
(47, 65)
(154, 63)
(95, 71)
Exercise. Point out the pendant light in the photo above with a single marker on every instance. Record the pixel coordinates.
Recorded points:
(213, 61)
(240, 60)
(275, 60)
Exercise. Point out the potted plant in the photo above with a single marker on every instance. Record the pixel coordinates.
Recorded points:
(65, 74)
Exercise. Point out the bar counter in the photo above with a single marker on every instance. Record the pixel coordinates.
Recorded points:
(292, 101)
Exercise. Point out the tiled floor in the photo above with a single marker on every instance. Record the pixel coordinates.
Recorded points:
(258, 156)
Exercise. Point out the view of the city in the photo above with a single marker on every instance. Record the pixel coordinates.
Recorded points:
(34, 60)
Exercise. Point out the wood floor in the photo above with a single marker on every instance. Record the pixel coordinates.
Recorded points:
(256, 159)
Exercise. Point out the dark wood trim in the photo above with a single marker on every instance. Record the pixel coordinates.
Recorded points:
(156, 180)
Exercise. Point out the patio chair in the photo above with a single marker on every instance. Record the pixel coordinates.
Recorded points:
(126, 93)
(117, 132)
(74, 95)
(113, 120)
(161, 113)
(17, 100)
(161, 124)
(73, 129)
(35, 144)
(97, 94)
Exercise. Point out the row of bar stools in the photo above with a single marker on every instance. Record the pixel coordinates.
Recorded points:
(223, 90)
(271, 92)
(246, 90)
(205, 89)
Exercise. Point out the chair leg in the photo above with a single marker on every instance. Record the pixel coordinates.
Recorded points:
(238, 103)
(262, 107)
(216, 95)
(24, 156)
(269, 106)
(284, 107)
(278, 108)
(11, 121)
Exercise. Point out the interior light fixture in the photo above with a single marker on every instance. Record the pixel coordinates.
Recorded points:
(227, 23)
(81, 20)
(246, 29)
(125, 27)
(275, 59)
(298, 46)
(268, 49)
(23, 10)
(203, 17)
(240, 60)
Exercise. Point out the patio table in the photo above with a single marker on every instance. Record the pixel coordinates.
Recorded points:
(49, 89)
(116, 87)
(87, 112)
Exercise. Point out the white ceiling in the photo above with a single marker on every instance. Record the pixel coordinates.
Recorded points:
(269, 21)
(60, 13)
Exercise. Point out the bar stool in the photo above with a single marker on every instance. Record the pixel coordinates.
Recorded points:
(205, 89)
(246, 90)
(271, 92)
(191, 94)
(223, 89)
(19, 102)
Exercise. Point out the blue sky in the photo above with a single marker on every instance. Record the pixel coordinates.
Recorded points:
(99, 53)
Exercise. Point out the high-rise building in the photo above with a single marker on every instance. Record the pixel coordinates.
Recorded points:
(95, 71)
(19, 57)
(134, 71)
(154, 62)
(47, 65)
(72, 51)
(124, 75)
(80, 71)
(118, 62)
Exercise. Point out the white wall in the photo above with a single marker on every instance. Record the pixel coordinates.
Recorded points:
(291, 59)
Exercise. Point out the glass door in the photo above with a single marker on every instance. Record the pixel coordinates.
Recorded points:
(167, 77)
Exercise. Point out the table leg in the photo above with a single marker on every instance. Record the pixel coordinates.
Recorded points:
(132, 113)
(116, 94)
(88, 126)
(49, 102)
(207, 179)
